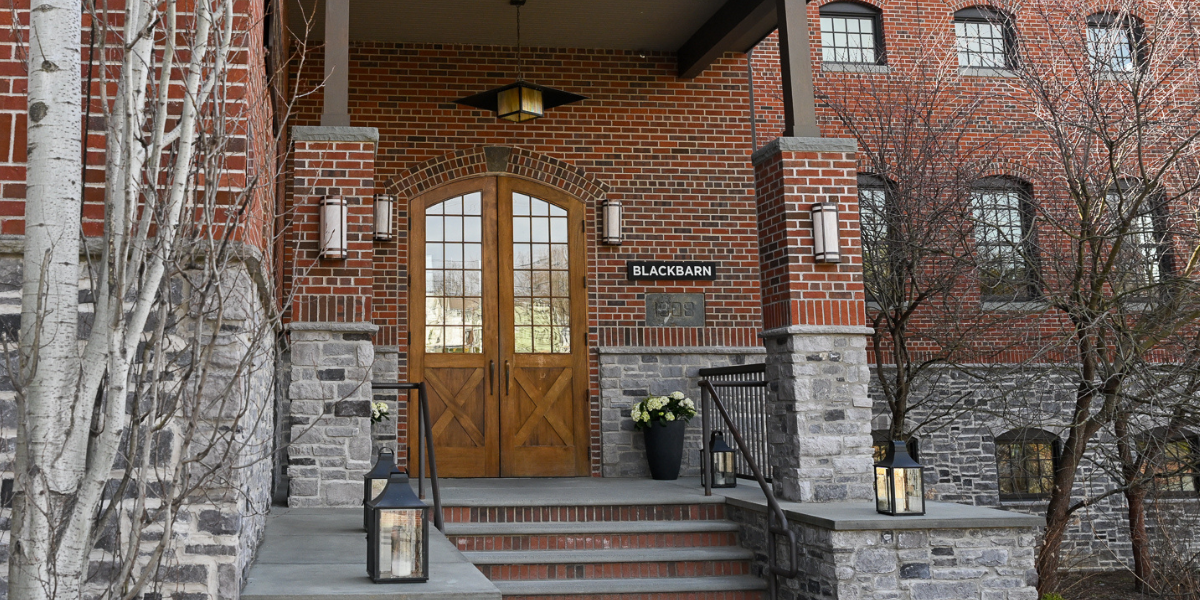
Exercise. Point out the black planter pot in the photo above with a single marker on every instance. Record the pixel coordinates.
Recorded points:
(664, 448)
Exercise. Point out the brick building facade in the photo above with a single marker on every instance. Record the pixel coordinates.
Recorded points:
(704, 170)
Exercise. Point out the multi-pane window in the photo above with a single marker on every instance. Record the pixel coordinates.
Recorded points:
(850, 33)
(1143, 250)
(1025, 462)
(1176, 470)
(873, 213)
(1002, 239)
(454, 276)
(1111, 43)
(541, 267)
(984, 38)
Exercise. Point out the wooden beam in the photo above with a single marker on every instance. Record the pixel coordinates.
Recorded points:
(736, 27)
(336, 112)
(795, 66)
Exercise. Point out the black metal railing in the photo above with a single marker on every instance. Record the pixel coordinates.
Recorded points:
(423, 427)
(744, 391)
(777, 524)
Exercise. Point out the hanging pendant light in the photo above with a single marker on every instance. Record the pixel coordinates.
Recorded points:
(520, 101)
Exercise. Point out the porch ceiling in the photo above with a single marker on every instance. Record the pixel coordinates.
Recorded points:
(690, 27)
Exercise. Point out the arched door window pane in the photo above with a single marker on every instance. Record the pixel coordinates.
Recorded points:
(541, 267)
(454, 275)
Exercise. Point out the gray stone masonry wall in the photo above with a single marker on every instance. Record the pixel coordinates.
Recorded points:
(629, 374)
(386, 370)
(819, 429)
(933, 564)
(330, 407)
(959, 453)
(218, 531)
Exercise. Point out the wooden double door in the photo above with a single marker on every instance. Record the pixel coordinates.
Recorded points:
(498, 327)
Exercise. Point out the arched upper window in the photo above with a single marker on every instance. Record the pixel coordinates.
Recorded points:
(985, 38)
(1003, 225)
(1173, 461)
(851, 33)
(1114, 42)
(1025, 460)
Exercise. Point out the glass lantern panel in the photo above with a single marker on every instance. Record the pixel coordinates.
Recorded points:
(723, 472)
(377, 486)
(881, 490)
(400, 532)
(913, 498)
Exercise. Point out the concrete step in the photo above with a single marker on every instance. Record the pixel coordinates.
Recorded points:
(618, 512)
(743, 587)
(608, 556)
(591, 535)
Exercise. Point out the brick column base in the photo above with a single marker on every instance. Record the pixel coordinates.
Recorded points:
(814, 319)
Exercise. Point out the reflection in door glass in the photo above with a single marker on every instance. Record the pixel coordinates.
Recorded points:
(454, 276)
(541, 294)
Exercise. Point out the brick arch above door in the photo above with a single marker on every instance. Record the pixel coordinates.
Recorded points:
(499, 160)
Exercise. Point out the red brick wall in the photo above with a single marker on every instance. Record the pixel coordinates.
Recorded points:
(249, 161)
(322, 289)
(796, 289)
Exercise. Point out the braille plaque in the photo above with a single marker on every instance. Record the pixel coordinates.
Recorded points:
(675, 310)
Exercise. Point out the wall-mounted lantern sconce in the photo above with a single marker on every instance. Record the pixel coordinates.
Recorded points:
(384, 205)
(612, 222)
(333, 227)
(826, 244)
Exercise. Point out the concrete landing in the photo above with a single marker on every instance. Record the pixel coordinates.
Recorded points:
(321, 554)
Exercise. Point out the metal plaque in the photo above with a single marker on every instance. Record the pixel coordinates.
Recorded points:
(675, 310)
(660, 270)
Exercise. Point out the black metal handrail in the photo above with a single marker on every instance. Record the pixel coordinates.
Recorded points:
(747, 405)
(779, 528)
(423, 426)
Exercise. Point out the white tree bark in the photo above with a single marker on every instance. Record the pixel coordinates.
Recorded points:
(49, 308)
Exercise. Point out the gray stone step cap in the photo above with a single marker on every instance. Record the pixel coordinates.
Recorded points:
(631, 555)
(647, 585)
(591, 527)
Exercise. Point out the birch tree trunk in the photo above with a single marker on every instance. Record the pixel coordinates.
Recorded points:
(49, 356)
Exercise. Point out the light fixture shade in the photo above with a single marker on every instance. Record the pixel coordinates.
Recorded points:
(398, 536)
(612, 222)
(826, 243)
(376, 480)
(333, 227)
(520, 101)
(899, 488)
(384, 206)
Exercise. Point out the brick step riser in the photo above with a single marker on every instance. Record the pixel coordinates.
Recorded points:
(468, 543)
(704, 568)
(755, 595)
(553, 514)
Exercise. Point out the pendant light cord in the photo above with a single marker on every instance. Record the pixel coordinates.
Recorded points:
(520, 69)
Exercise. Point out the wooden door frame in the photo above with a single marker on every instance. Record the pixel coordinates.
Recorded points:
(577, 209)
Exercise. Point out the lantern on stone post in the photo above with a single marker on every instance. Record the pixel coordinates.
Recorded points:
(723, 473)
(376, 479)
(398, 538)
(899, 490)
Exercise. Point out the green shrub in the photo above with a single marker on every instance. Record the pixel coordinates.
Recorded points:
(1052, 596)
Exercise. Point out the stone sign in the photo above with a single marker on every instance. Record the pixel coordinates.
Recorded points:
(675, 310)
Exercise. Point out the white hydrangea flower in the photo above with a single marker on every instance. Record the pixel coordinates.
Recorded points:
(677, 395)
(636, 413)
(669, 417)
(688, 404)
(646, 417)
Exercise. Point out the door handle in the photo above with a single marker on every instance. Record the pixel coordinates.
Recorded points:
(507, 377)
(492, 375)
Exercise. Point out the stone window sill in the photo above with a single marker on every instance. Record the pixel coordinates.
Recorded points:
(985, 72)
(832, 67)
